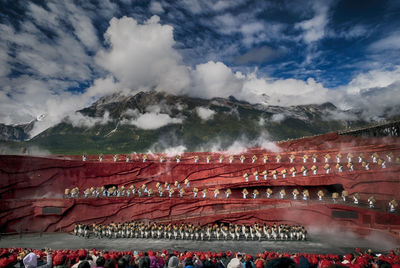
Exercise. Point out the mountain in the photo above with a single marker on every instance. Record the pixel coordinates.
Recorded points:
(156, 121)
(15, 132)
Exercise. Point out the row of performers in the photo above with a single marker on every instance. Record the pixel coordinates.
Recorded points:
(143, 191)
(265, 158)
(190, 231)
(304, 170)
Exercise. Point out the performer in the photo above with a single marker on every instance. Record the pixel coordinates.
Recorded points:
(195, 191)
(295, 193)
(314, 169)
(208, 159)
(282, 193)
(144, 158)
(67, 193)
(171, 192)
(304, 171)
(345, 194)
(103, 191)
(75, 192)
(205, 193)
(253, 159)
(349, 157)
(149, 192)
(278, 158)
(350, 166)
(320, 195)
(228, 192)
(242, 158)
(393, 206)
(216, 193)
(84, 157)
(335, 196)
(144, 188)
(255, 193)
(314, 158)
(365, 165)
(246, 176)
(274, 174)
(122, 191)
(374, 157)
(166, 186)
(178, 159)
(177, 184)
(305, 157)
(196, 159)
(127, 159)
(161, 191)
(231, 158)
(256, 175)
(265, 174)
(338, 157)
(162, 159)
(293, 171)
(181, 192)
(356, 197)
(389, 157)
(360, 157)
(327, 157)
(101, 157)
(245, 193)
(283, 172)
(115, 158)
(291, 158)
(371, 201)
(268, 192)
(382, 163)
(187, 183)
(339, 167)
(265, 158)
(221, 158)
(306, 194)
(327, 168)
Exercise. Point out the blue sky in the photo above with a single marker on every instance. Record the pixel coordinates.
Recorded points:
(59, 56)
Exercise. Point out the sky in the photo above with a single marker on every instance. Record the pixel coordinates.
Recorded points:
(57, 57)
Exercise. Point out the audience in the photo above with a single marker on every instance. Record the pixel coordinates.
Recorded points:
(18, 257)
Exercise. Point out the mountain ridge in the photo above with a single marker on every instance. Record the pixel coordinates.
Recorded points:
(155, 121)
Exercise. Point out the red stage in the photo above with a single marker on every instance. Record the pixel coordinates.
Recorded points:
(32, 188)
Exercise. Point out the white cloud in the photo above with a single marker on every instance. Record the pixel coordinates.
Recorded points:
(314, 28)
(391, 42)
(152, 121)
(243, 144)
(278, 117)
(283, 92)
(142, 57)
(205, 113)
(215, 79)
(173, 151)
(156, 7)
(79, 120)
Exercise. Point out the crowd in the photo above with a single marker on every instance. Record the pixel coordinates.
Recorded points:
(30, 258)
(188, 231)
